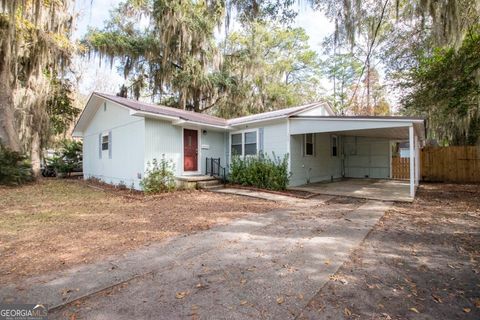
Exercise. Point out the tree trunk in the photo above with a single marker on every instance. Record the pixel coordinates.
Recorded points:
(36, 154)
(8, 133)
(369, 112)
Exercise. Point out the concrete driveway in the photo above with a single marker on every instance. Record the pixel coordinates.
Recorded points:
(263, 267)
(373, 189)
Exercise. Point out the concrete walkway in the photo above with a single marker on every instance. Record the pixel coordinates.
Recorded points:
(263, 266)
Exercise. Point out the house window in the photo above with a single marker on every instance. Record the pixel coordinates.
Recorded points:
(251, 143)
(244, 144)
(105, 142)
(309, 146)
(334, 144)
(237, 144)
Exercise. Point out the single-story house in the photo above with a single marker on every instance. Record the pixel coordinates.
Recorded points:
(121, 136)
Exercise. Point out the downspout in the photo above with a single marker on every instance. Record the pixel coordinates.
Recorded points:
(342, 163)
(288, 148)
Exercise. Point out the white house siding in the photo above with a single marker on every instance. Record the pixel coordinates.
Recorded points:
(275, 139)
(367, 157)
(319, 111)
(212, 147)
(127, 146)
(163, 139)
(320, 167)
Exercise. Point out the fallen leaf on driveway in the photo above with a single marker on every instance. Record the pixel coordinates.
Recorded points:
(181, 295)
(477, 302)
(347, 312)
(280, 300)
(243, 302)
(414, 310)
(467, 310)
(436, 299)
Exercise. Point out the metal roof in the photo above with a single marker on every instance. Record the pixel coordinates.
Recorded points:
(166, 111)
(273, 114)
(145, 109)
(205, 118)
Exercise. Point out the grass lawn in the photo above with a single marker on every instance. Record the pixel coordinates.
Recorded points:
(55, 224)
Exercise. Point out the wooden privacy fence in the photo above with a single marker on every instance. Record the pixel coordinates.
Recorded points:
(400, 168)
(451, 164)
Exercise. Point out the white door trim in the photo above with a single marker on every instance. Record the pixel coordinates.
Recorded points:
(199, 152)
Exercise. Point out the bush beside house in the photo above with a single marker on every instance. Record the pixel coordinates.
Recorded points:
(159, 177)
(261, 171)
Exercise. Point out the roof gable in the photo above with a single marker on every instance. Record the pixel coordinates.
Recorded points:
(163, 110)
(276, 114)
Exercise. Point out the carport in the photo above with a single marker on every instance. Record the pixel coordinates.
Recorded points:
(351, 156)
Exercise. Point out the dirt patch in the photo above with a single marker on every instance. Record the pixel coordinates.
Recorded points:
(55, 224)
(420, 262)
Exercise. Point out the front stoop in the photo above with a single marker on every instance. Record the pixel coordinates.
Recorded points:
(198, 182)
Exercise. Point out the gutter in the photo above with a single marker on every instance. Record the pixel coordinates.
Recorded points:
(333, 118)
(177, 121)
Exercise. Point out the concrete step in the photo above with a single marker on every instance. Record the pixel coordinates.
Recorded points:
(208, 184)
(213, 187)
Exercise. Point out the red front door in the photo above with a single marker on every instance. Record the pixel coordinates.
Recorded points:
(190, 150)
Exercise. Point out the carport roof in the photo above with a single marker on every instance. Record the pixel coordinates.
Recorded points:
(392, 127)
(364, 117)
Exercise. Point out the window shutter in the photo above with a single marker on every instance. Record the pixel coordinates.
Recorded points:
(110, 144)
(260, 141)
(304, 140)
(100, 145)
(226, 137)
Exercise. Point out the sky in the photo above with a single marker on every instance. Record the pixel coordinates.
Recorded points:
(93, 13)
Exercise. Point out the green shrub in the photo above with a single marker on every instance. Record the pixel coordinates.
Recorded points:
(159, 177)
(15, 168)
(68, 158)
(260, 171)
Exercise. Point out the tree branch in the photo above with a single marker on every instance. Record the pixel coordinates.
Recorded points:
(369, 51)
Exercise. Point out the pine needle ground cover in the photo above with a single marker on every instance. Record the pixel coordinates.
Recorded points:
(55, 224)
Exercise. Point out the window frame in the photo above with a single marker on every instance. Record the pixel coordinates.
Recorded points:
(305, 145)
(244, 144)
(241, 143)
(105, 135)
(242, 135)
(332, 137)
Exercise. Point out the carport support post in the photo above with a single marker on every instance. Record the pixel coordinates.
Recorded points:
(411, 135)
(417, 161)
